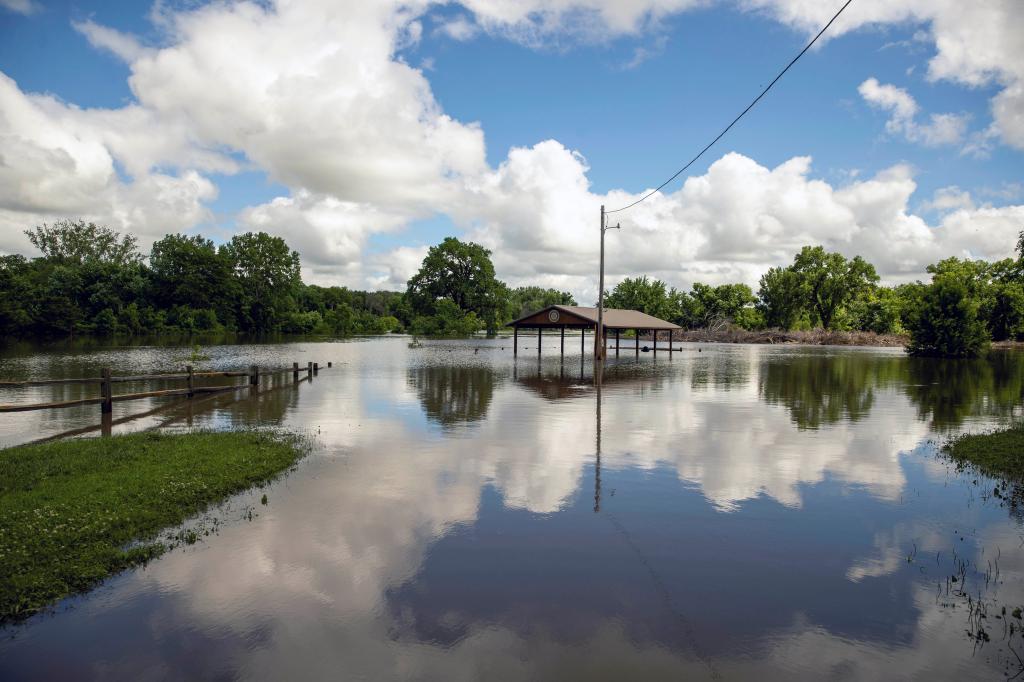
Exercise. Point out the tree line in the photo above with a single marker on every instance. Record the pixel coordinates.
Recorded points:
(91, 280)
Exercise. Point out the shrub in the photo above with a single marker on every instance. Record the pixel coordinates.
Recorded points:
(947, 323)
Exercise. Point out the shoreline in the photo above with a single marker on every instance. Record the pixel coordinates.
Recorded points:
(814, 337)
(80, 511)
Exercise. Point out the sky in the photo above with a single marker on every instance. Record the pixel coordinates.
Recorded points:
(363, 133)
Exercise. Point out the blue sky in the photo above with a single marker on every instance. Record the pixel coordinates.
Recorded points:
(634, 102)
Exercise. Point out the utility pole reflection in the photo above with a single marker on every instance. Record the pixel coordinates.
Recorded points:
(597, 462)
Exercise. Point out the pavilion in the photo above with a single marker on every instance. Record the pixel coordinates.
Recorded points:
(577, 317)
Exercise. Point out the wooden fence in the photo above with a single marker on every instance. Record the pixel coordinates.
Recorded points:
(106, 382)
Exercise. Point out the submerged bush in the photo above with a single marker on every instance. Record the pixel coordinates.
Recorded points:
(947, 323)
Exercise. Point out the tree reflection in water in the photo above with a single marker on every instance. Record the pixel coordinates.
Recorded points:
(826, 389)
(452, 396)
(948, 392)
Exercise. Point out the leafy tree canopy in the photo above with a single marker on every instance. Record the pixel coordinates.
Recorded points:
(75, 242)
(948, 323)
(831, 281)
(460, 272)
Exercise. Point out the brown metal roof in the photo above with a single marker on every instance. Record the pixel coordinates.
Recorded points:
(614, 318)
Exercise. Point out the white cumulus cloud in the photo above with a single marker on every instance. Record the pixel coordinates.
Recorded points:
(942, 129)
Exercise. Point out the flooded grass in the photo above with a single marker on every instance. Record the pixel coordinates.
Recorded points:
(999, 454)
(76, 512)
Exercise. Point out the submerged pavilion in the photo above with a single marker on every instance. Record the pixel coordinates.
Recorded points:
(578, 317)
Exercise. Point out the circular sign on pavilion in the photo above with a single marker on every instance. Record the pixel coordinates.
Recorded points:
(553, 315)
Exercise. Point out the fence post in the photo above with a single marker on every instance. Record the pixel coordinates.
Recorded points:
(329, 363)
(107, 406)
(316, 368)
(309, 370)
(254, 375)
(295, 371)
(191, 381)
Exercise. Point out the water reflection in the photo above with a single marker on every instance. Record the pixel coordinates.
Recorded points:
(652, 526)
(454, 395)
(822, 389)
(949, 393)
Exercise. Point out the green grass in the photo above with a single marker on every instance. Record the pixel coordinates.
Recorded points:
(999, 454)
(75, 512)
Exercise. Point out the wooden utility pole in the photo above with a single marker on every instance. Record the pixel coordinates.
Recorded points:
(599, 338)
(598, 351)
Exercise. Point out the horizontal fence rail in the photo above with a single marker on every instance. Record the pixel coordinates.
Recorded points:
(106, 382)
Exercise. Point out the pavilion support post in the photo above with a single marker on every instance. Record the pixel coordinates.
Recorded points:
(617, 342)
(563, 341)
(636, 348)
(654, 340)
(670, 348)
(583, 341)
(540, 339)
(515, 341)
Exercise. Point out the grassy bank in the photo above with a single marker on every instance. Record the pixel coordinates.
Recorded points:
(75, 512)
(999, 454)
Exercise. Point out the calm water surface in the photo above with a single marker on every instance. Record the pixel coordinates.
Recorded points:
(734, 512)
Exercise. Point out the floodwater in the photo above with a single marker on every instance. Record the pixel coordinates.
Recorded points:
(729, 512)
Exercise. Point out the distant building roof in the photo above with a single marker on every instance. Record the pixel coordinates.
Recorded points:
(579, 316)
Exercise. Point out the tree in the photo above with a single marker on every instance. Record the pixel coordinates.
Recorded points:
(188, 271)
(448, 319)
(878, 310)
(650, 296)
(15, 295)
(1003, 309)
(947, 322)
(526, 300)
(460, 272)
(726, 302)
(831, 281)
(74, 242)
(268, 275)
(781, 298)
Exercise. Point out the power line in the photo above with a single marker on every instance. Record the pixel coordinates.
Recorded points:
(742, 113)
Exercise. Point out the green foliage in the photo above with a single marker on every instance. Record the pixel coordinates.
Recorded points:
(947, 322)
(830, 281)
(189, 271)
(878, 310)
(1003, 307)
(724, 303)
(74, 508)
(646, 295)
(781, 298)
(268, 275)
(526, 300)
(460, 273)
(75, 242)
(447, 319)
(999, 454)
(91, 280)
